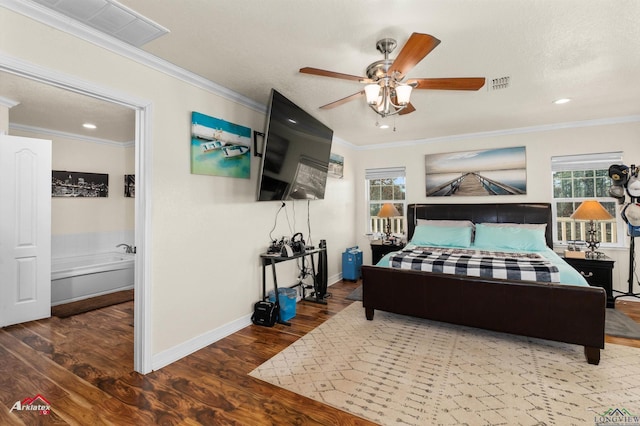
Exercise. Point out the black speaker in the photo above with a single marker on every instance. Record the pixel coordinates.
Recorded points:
(321, 276)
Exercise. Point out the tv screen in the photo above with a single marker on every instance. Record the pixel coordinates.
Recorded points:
(295, 157)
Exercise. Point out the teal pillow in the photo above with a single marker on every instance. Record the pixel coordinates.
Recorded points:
(444, 236)
(510, 237)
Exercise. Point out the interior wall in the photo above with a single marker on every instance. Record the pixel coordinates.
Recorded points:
(540, 147)
(4, 120)
(90, 215)
(207, 232)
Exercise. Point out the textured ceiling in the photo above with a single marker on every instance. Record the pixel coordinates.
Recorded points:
(48, 107)
(587, 50)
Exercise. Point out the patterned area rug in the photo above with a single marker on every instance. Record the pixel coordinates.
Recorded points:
(403, 370)
(620, 325)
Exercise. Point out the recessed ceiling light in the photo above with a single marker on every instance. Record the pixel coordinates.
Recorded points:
(561, 101)
(89, 126)
(384, 126)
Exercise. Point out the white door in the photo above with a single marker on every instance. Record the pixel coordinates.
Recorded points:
(25, 229)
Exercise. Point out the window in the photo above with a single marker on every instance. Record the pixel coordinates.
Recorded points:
(385, 186)
(577, 178)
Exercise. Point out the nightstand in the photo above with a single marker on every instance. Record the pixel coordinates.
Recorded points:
(597, 272)
(379, 249)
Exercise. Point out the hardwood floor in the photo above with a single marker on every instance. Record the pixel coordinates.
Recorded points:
(83, 366)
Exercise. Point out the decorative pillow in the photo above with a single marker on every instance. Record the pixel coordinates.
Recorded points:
(444, 236)
(510, 237)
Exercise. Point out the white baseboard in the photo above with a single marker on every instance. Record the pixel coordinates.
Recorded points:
(180, 351)
(184, 349)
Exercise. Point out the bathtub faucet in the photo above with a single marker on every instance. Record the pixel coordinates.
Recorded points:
(127, 248)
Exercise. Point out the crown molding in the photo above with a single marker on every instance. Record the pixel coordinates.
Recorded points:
(83, 138)
(8, 103)
(506, 132)
(63, 23)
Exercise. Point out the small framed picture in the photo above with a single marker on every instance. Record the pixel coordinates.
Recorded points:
(130, 186)
(336, 165)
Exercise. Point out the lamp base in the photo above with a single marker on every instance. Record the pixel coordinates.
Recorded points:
(594, 254)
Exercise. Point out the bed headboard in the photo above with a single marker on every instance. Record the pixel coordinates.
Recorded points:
(478, 213)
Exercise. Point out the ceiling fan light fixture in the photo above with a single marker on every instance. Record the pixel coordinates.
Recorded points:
(372, 92)
(385, 91)
(403, 94)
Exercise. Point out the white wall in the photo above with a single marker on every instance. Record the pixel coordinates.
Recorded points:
(207, 232)
(540, 147)
(90, 215)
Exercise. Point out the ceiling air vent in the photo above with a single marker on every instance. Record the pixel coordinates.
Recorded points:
(111, 18)
(499, 83)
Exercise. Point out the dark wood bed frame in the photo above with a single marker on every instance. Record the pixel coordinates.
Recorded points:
(564, 313)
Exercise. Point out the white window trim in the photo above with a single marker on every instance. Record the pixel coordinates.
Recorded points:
(383, 173)
(597, 161)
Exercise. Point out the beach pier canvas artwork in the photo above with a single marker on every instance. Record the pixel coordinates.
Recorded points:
(501, 171)
(219, 148)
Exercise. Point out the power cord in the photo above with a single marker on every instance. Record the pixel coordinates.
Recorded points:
(275, 221)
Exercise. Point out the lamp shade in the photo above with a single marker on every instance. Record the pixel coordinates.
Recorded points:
(372, 91)
(591, 210)
(403, 93)
(388, 210)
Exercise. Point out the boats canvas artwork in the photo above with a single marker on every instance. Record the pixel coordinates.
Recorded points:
(219, 148)
(501, 171)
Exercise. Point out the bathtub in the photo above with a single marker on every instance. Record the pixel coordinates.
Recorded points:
(80, 277)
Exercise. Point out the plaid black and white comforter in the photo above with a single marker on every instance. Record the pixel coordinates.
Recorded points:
(477, 263)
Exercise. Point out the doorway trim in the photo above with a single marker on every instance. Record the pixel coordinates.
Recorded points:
(142, 341)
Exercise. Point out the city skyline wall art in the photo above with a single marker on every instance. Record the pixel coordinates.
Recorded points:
(79, 184)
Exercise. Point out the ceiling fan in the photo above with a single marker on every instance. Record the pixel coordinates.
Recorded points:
(385, 90)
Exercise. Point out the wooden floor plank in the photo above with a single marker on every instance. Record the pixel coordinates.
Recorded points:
(83, 365)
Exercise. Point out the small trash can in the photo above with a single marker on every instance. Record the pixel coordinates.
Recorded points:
(351, 264)
(288, 298)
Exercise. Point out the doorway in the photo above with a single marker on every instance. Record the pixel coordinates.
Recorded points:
(30, 74)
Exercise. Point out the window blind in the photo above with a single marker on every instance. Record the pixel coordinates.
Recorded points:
(384, 173)
(585, 161)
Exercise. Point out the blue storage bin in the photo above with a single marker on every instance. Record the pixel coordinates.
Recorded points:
(351, 264)
(288, 298)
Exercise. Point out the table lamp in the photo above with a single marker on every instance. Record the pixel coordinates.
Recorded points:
(591, 210)
(388, 211)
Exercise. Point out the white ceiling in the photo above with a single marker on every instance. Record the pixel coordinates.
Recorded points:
(587, 50)
(42, 106)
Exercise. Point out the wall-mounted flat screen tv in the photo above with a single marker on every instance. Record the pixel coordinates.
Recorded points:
(295, 157)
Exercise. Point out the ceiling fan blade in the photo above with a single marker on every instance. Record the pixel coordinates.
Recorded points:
(417, 47)
(407, 110)
(464, 83)
(343, 100)
(325, 73)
